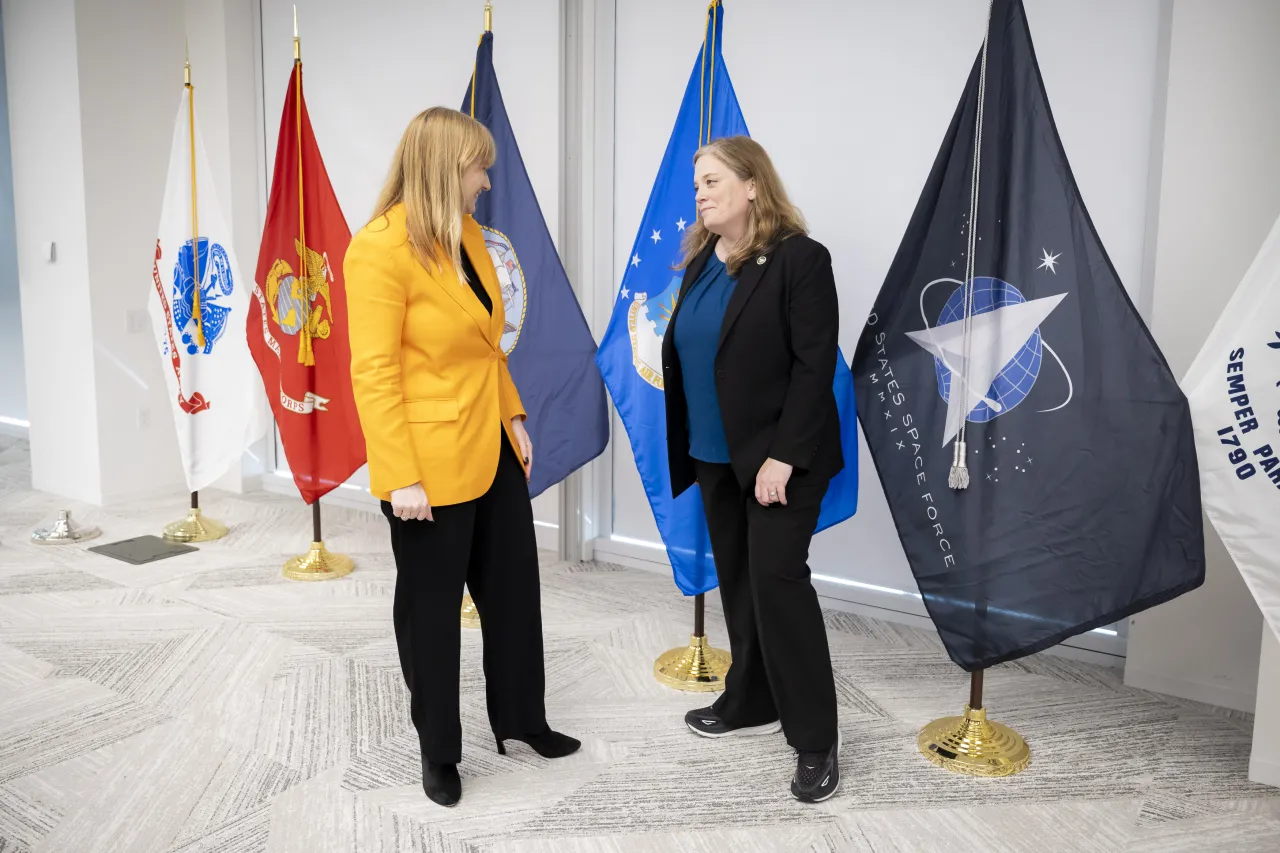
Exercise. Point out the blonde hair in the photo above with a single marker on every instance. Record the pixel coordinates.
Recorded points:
(771, 217)
(426, 176)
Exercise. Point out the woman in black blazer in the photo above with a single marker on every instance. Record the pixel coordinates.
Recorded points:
(748, 362)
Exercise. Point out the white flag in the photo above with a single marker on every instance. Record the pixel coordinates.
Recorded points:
(213, 385)
(1234, 391)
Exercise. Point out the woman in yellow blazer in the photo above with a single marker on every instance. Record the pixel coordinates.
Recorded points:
(448, 452)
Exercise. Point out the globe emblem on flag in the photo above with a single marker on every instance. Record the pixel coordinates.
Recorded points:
(647, 321)
(1014, 382)
(511, 285)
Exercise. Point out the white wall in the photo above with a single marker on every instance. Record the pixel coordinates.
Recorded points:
(366, 75)
(1219, 196)
(852, 100)
(13, 386)
(42, 70)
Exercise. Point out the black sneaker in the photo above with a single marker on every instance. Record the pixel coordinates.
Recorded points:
(706, 722)
(817, 775)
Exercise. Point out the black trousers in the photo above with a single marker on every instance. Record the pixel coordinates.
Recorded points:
(489, 544)
(781, 662)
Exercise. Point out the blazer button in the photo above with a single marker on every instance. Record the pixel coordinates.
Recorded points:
(493, 356)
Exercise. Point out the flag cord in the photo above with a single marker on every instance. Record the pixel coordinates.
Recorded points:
(959, 477)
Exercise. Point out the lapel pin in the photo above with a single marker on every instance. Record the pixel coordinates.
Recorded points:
(760, 260)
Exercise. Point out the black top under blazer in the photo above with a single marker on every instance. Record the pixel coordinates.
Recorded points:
(775, 365)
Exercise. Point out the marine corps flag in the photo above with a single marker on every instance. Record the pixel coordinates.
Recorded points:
(1036, 452)
(298, 320)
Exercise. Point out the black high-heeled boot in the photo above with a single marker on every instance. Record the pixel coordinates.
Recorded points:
(441, 783)
(549, 744)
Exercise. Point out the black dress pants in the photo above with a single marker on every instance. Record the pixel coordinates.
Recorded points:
(489, 544)
(781, 662)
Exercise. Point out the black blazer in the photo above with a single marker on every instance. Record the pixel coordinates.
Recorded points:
(775, 364)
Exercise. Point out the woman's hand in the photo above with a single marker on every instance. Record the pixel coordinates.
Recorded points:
(771, 482)
(410, 503)
(526, 446)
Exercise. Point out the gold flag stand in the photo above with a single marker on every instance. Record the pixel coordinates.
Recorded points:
(972, 744)
(196, 527)
(470, 616)
(698, 667)
(318, 564)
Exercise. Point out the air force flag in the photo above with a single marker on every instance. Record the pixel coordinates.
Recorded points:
(630, 355)
(550, 347)
(1003, 346)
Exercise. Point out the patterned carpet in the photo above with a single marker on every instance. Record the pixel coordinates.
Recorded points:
(203, 703)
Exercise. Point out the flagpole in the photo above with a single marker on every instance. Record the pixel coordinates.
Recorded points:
(972, 744)
(195, 527)
(469, 616)
(319, 563)
(699, 667)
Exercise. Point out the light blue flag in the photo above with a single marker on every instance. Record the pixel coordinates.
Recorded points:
(630, 356)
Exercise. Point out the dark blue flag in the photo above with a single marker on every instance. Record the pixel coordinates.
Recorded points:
(549, 344)
(630, 356)
(1003, 351)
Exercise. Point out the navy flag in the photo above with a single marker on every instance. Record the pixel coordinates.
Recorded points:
(630, 355)
(1003, 351)
(549, 344)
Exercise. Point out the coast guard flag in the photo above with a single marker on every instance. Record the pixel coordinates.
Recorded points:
(1083, 504)
(1234, 389)
(630, 355)
(550, 349)
(198, 302)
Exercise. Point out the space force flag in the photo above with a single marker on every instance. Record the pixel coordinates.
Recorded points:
(1234, 389)
(630, 355)
(198, 302)
(1003, 350)
(550, 349)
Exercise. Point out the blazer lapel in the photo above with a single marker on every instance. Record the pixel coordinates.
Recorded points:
(691, 274)
(748, 277)
(473, 245)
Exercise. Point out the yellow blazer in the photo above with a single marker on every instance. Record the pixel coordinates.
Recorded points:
(431, 381)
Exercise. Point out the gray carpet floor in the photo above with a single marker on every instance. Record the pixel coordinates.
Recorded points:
(204, 703)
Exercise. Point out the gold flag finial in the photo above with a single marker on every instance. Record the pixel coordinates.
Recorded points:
(297, 43)
(488, 16)
(186, 68)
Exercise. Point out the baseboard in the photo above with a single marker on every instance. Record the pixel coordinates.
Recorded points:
(1221, 695)
(14, 430)
(1264, 772)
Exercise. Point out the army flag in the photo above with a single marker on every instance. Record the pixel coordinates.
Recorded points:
(1003, 351)
(1234, 389)
(198, 301)
(297, 324)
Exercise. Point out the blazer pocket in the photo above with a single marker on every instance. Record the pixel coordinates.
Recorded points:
(431, 411)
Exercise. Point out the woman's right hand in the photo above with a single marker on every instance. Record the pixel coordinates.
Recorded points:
(410, 503)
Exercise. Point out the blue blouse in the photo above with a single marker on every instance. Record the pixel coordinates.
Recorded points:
(697, 335)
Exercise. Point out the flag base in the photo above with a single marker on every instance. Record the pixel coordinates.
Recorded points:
(318, 564)
(974, 746)
(470, 616)
(196, 527)
(696, 668)
(64, 531)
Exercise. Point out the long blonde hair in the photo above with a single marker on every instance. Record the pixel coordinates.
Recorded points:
(771, 217)
(426, 175)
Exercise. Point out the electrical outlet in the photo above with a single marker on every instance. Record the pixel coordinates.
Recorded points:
(136, 321)
(144, 418)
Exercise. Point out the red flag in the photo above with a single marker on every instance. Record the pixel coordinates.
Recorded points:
(298, 322)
